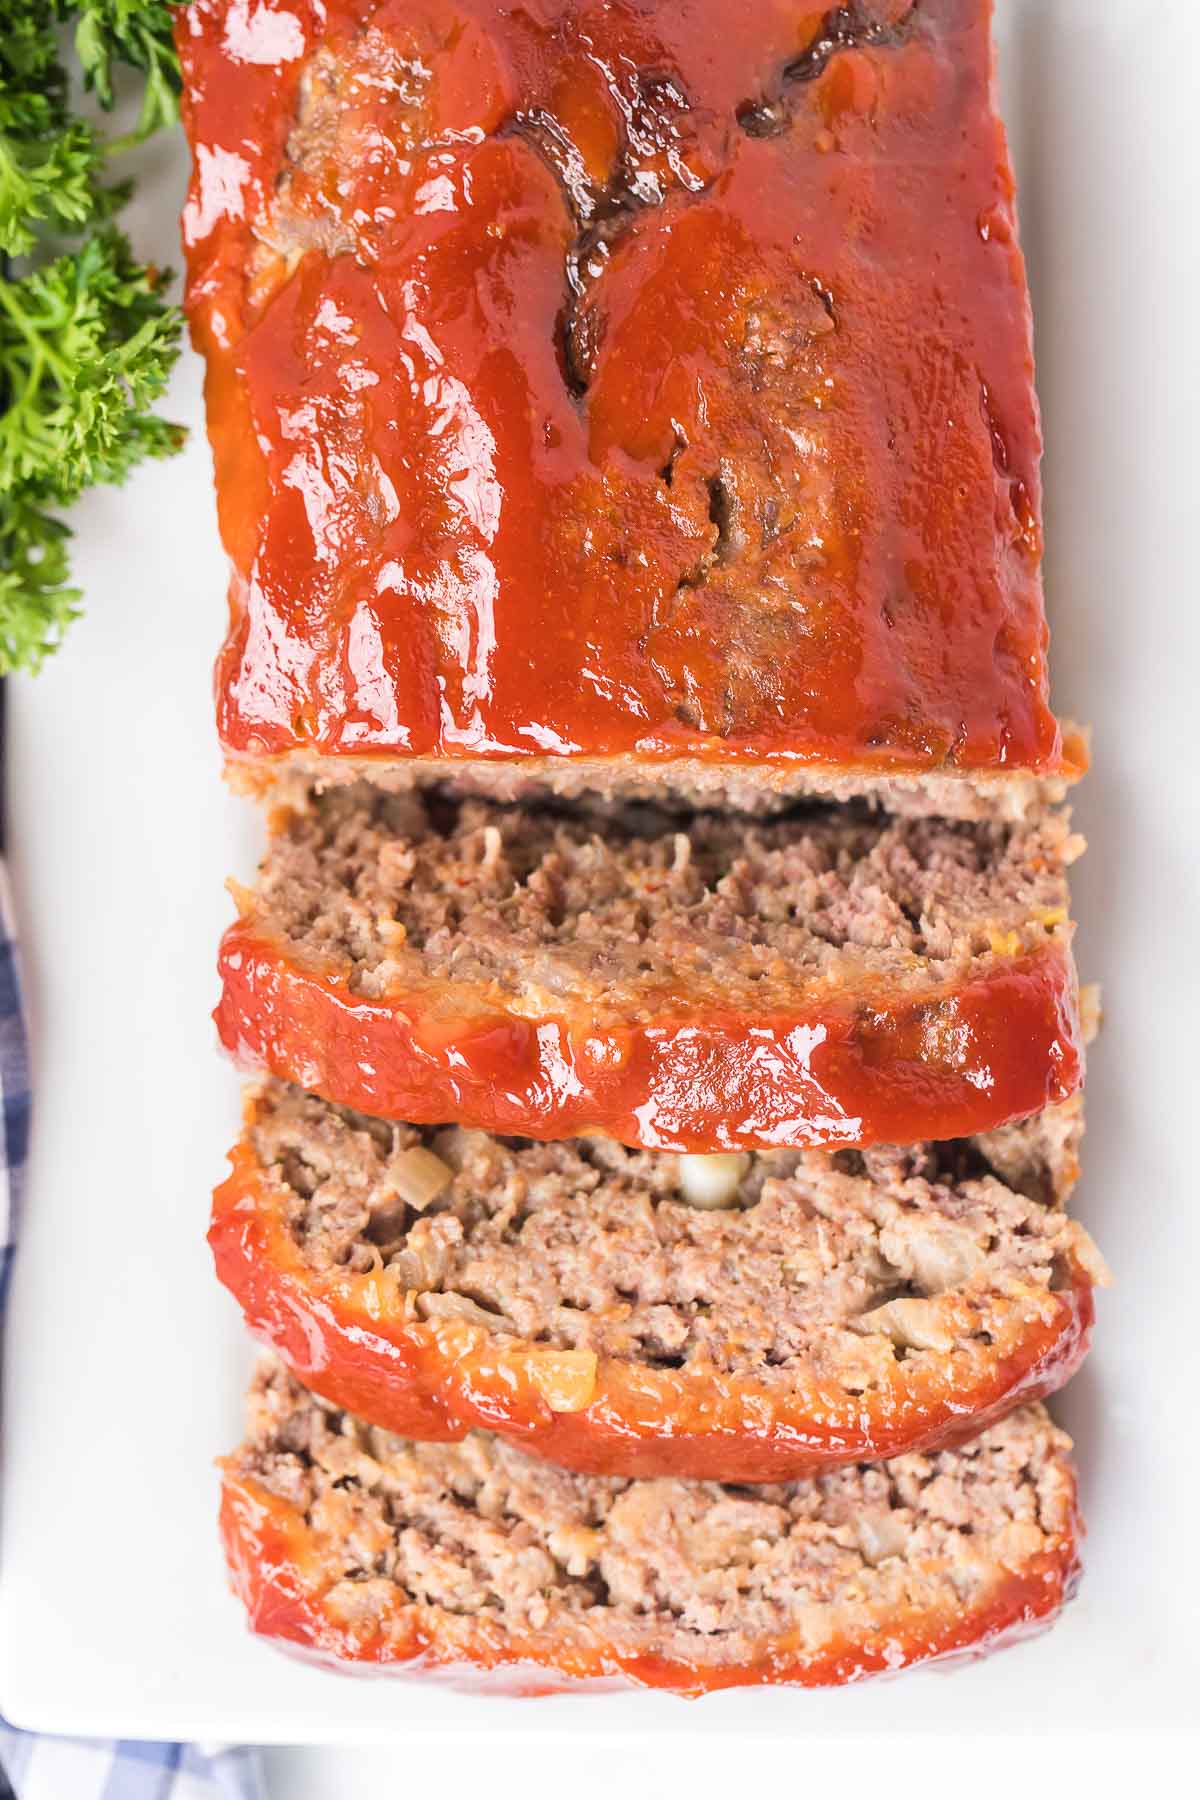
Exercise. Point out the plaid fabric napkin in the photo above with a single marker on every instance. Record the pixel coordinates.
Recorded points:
(45, 1768)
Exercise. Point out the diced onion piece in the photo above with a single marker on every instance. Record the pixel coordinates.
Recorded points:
(418, 1176)
(880, 1534)
(565, 1378)
(944, 1257)
(455, 1145)
(712, 1182)
(911, 1324)
(492, 846)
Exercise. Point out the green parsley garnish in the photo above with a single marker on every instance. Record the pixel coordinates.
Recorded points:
(87, 339)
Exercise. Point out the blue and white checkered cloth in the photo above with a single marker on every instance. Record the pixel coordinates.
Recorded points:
(45, 1768)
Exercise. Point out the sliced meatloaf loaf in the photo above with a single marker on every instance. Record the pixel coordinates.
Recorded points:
(475, 1558)
(599, 391)
(691, 982)
(638, 1313)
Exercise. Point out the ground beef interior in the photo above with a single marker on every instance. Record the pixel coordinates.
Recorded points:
(693, 1570)
(838, 1262)
(621, 908)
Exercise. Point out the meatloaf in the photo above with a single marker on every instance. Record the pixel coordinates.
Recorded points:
(743, 1318)
(483, 1563)
(689, 982)
(610, 391)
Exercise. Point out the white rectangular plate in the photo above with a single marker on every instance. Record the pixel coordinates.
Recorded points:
(124, 1360)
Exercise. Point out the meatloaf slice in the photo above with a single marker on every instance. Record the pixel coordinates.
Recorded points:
(603, 389)
(487, 1565)
(632, 1312)
(690, 981)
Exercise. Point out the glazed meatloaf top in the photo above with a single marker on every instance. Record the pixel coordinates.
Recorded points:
(616, 385)
(476, 1553)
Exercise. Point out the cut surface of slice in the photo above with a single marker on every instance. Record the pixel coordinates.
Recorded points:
(481, 1563)
(680, 981)
(620, 389)
(631, 1312)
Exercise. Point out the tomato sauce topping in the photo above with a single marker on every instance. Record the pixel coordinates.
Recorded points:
(617, 380)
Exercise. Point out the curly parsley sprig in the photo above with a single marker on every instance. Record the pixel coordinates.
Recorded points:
(134, 32)
(87, 339)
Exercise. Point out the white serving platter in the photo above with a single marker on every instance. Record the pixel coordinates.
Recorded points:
(123, 1359)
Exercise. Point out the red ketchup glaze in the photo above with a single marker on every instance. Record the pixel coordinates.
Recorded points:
(630, 379)
(839, 1070)
(275, 1568)
(349, 1338)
